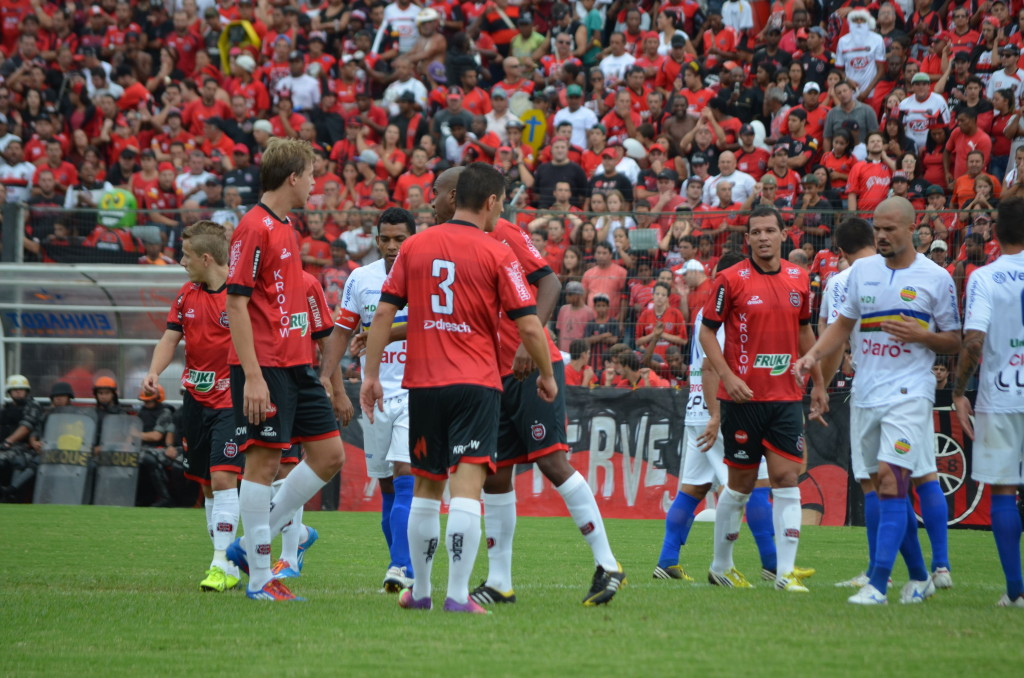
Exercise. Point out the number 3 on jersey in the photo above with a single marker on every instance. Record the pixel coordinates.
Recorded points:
(443, 303)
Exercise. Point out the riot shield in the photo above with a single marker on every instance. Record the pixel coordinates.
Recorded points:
(66, 459)
(117, 465)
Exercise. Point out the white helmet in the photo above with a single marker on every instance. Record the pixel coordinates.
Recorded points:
(16, 381)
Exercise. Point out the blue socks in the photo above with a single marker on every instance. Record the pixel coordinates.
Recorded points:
(910, 548)
(387, 501)
(759, 519)
(678, 522)
(871, 523)
(1006, 528)
(402, 499)
(892, 527)
(935, 513)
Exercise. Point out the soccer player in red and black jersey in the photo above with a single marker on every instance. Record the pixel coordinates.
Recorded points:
(277, 397)
(529, 429)
(764, 304)
(454, 278)
(211, 455)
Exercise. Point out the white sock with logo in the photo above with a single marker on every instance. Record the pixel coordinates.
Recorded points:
(500, 524)
(254, 508)
(225, 525)
(728, 517)
(786, 515)
(298, 488)
(208, 506)
(583, 508)
(424, 531)
(462, 537)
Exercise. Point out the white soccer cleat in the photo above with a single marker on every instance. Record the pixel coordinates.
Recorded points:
(917, 591)
(942, 578)
(860, 581)
(395, 580)
(868, 595)
(1006, 602)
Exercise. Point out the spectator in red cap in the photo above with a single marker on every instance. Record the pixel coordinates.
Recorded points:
(609, 179)
(245, 177)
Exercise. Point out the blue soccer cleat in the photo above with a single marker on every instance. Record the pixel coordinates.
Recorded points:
(282, 569)
(236, 554)
(304, 546)
(274, 591)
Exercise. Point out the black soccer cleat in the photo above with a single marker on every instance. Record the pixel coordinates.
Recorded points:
(604, 586)
(485, 595)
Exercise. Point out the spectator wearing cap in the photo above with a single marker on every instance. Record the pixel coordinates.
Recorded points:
(901, 185)
(411, 123)
(786, 179)
(860, 54)
(849, 110)
(742, 183)
(499, 117)
(252, 89)
(429, 46)
(574, 315)
(120, 172)
(528, 43)
(206, 106)
(810, 104)
(404, 82)
(751, 159)
(938, 252)
(610, 179)
(614, 65)
(921, 110)
(245, 176)
(575, 113)
(770, 53)
(1010, 76)
(816, 60)
(801, 147)
(666, 200)
(935, 214)
(647, 56)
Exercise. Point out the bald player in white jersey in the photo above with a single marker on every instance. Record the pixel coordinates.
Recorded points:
(994, 335)
(904, 306)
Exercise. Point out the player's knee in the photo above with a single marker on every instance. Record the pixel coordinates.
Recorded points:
(698, 492)
(555, 467)
(787, 478)
(500, 482)
(893, 482)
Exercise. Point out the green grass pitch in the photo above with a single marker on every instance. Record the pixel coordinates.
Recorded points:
(106, 591)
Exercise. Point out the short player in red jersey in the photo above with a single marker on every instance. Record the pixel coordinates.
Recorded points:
(454, 279)
(211, 455)
(764, 304)
(529, 429)
(277, 397)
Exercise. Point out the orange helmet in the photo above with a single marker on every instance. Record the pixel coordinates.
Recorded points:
(158, 395)
(104, 382)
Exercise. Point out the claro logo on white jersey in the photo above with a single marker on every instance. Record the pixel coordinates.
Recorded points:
(442, 326)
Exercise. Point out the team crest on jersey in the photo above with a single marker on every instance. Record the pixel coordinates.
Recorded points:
(269, 223)
(230, 450)
(223, 320)
(908, 293)
(794, 299)
(902, 446)
(744, 272)
(999, 277)
(538, 432)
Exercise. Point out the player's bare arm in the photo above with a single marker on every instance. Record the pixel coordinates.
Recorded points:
(909, 330)
(819, 396)
(340, 402)
(371, 393)
(735, 387)
(710, 380)
(548, 291)
(834, 338)
(532, 334)
(163, 354)
(970, 357)
(256, 395)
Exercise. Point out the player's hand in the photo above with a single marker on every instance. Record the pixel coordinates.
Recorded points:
(547, 388)
(522, 364)
(964, 412)
(357, 346)
(802, 367)
(255, 400)
(371, 395)
(819, 405)
(906, 329)
(706, 439)
(343, 407)
(171, 452)
(737, 389)
(150, 382)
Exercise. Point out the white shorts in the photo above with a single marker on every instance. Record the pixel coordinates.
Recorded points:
(701, 468)
(386, 440)
(901, 435)
(998, 457)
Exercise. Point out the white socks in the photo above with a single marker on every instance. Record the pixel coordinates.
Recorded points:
(298, 488)
(208, 505)
(291, 534)
(462, 537)
(500, 523)
(254, 509)
(223, 510)
(786, 515)
(424, 532)
(728, 516)
(582, 507)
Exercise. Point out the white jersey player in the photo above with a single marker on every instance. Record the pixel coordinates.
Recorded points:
(386, 439)
(994, 335)
(904, 306)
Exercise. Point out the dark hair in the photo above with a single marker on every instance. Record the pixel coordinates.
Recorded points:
(605, 244)
(629, 361)
(728, 260)
(577, 348)
(766, 211)
(853, 235)
(665, 286)
(1010, 221)
(397, 216)
(478, 182)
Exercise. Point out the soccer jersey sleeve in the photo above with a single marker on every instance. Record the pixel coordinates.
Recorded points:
(947, 313)
(718, 305)
(978, 308)
(830, 302)
(248, 247)
(320, 320)
(513, 290)
(348, 317)
(175, 315)
(534, 265)
(395, 289)
(850, 307)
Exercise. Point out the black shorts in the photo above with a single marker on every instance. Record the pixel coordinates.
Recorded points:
(452, 424)
(528, 427)
(293, 455)
(300, 409)
(208, 440)
(751, 429)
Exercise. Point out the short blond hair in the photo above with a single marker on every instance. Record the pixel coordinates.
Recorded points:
(283, 158)
(208, 237)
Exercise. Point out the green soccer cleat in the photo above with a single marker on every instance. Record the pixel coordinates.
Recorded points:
(217, 580)
(733, 579)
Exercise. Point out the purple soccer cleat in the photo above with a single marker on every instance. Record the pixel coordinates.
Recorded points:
(469, 606)
(406, 600)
